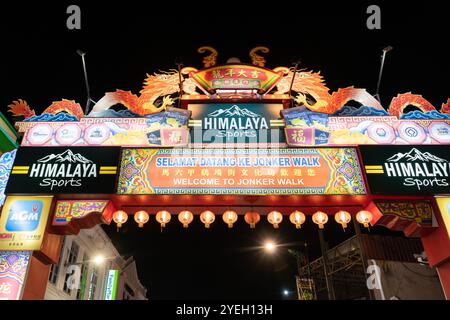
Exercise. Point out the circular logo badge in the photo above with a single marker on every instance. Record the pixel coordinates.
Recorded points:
(440, 131)
(39, 134)
(412, 132)
(381, 133)
(68, 134)
(96, 134)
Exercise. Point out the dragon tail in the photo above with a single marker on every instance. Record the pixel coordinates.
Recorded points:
(342, 96)
(21, 108)
(128, 99)
(69, 106)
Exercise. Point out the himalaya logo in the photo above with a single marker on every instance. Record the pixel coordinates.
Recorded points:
(414, 155)
(67, 155)
(234, 118)
(68, 167)
(418, 168)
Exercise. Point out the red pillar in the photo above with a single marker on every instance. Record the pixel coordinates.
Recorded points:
(39, 270)
(437, 248)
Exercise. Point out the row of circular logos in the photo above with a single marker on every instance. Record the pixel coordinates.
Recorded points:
(410, 132)
(68, 134)
(96, 134)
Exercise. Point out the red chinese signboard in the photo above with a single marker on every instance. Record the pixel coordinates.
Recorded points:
(237, 77)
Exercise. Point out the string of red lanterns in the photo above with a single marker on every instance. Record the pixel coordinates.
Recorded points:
(230, 217)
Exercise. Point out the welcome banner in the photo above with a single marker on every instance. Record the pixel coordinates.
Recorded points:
(241, 171)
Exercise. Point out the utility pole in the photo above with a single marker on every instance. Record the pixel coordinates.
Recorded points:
(88, 93)
(383, 57)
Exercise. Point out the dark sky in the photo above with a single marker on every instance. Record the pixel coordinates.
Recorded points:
(126, 40)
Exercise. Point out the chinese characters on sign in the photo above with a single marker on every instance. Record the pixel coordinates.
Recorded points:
(23, 222)
(240, 171)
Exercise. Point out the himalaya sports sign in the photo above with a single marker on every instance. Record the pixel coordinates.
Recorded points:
(407, 169)
(69, 170)
(236, 123)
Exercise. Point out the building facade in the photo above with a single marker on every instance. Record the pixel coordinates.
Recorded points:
(79, 276)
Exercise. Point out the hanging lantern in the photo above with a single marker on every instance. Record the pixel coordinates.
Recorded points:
(207, 217)
(298, 218)
(252, 218)
(185, 217)
(343, 218)
(275, 218)
(364, 217)
(320, 218)
(230, 217)
(120, 217)
(163, 217)
(141, 217)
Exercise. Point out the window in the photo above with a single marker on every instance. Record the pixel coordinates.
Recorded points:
(53, 277)
(93, 285)
(84, 269)
(71, 259)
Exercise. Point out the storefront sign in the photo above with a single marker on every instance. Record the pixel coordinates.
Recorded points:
(237, 77)
(305, 288)
(64, 170)
(23, 222)
(111, 284)
(444, 208)
(236, 123)
(68, 210)
(241, 171)
(13, 270)
(417, 211)
(407, 169)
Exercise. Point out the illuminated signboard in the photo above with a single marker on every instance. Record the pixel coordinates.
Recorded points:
(13, 270)
(23, 222)
(237, 77)
(236, 123)
(407, 169)
(131, 132)
(241, 171)
(64, 170)
(111, 284)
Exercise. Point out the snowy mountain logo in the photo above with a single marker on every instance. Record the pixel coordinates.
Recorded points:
(415, 155)
(234, 111)
(67, 155)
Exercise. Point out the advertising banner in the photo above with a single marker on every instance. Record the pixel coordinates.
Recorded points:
(57, 170)
(23, 222)
(111, 284)
(153, 131)
(414, 170)
(13, 271)
(241, 171)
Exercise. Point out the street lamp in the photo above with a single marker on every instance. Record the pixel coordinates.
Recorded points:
(269, 246)
(98, 260)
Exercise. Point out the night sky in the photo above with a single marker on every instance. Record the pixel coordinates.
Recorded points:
(124, 41)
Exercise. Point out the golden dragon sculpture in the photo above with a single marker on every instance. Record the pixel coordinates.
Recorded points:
(313, 93)
(156, 86)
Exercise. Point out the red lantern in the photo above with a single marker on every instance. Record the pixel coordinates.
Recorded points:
(252, 218)
(275, 218)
